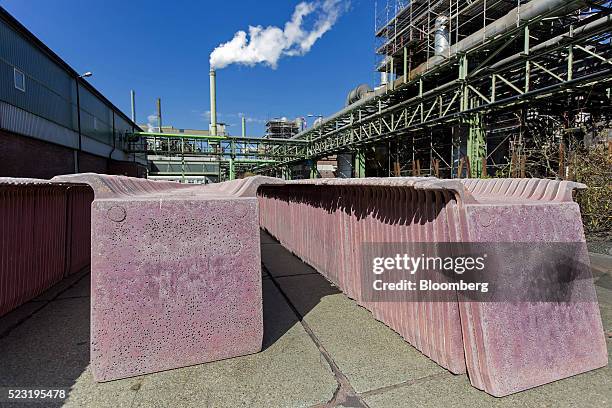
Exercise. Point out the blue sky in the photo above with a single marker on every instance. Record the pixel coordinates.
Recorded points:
(162, 48)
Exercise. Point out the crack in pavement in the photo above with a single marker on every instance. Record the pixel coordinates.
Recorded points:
(407, 383)
(345, 394)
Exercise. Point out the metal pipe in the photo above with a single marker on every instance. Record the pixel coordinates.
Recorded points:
(528, 11)
(213, 103)
(133, 103)
(524, 12)
(441, 36)
(159, 115)
(592, 26)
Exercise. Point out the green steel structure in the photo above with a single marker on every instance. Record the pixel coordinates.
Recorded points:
(558, 63)
(463, 110)
(228, 154)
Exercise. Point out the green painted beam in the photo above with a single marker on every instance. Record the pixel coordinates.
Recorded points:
(359, 167)
(232, 170)
(222, 138)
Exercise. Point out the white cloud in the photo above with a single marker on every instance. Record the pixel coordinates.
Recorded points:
(267, 45)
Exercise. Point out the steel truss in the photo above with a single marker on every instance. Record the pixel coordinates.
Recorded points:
(557, 58)
(235, 153)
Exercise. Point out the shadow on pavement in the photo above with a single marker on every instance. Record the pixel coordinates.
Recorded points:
(287, 281)
(48, 348)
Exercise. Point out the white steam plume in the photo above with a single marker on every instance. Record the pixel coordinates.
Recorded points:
(151, 124)
(267, 45)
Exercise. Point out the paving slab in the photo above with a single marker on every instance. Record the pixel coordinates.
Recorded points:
(85, 392)
(289, 372)
(81, 288)
(61, 286)
(15, 317)
(601, 263)
(50, 349)
(604, 297)
(370, 354)
(592, 389)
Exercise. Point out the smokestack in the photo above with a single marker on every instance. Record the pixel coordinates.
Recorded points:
(243, 126)
(159, 116)
(213, 103)
(133, 99)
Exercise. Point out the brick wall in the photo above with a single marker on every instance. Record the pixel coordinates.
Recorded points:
(88, 163)
(22, 156)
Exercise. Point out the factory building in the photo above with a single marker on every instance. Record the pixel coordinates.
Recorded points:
(510, 74)
(52, 121)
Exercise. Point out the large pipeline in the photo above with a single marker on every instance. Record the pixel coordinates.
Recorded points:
(585, 29)
(501, 26)
(528, 11)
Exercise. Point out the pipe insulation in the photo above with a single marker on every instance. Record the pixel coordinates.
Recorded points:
(501, 26)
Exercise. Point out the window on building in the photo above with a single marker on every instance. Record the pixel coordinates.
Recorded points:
(95, 123)
(19, 78)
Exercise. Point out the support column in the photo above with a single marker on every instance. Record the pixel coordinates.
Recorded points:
(313, 169)
(527, 63)
(360, 164)
(232, 169)
(476, 140)
(406, 79)
(570, 58)
(476, 145)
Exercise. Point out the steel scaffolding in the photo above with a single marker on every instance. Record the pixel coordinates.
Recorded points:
(475, 106)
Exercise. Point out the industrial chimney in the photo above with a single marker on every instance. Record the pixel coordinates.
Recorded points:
(213, 103)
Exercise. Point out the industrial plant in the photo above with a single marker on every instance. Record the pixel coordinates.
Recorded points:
(467, 89)
(442, 239)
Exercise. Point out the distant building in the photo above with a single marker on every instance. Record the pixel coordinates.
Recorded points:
(52, 121)
(193, 168)
(221, 130)
(283, 128)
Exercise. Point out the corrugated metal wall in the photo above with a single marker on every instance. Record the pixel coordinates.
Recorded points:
(50, 92)
(96, 117)
(44, 236)
(48, 87)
